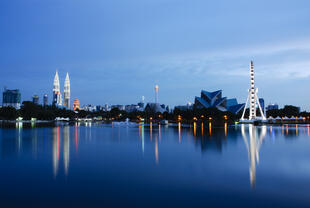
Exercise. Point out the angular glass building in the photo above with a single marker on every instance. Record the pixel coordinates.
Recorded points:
(215, 99)
(11, 98)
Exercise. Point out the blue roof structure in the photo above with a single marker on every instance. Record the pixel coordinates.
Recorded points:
(231, 102)
(215, 99)
(155, 107)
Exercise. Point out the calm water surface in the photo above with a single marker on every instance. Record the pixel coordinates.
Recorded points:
(155, 166)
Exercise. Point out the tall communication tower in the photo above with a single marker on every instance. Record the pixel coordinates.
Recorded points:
(253, 98)
(156, 93)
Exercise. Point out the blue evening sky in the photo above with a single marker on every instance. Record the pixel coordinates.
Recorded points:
(117, 50)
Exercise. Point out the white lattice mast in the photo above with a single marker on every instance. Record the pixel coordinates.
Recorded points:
(253, 98)
(156, 93)
(252, 93)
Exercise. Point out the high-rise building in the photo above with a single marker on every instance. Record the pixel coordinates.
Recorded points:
(67, 92)
(57, 99)
(45, 100)
(35, 99)
(76, 104)
(141, 104)
(156, 93)
(272, 107)
(11, 98)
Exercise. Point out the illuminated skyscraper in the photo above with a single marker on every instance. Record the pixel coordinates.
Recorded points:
(35, 99)
(156, 93)
(57, 99)
(11, 98)
(67, 92)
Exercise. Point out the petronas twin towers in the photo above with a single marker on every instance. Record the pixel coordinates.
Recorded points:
(57, 98)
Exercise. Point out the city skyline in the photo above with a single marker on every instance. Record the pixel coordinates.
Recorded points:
(119, 62)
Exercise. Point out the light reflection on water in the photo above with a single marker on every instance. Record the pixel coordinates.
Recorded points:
(243, 152)
(253, 143)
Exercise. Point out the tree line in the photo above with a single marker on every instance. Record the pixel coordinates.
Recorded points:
(30, 110)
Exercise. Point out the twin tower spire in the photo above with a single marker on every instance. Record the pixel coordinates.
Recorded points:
(57, 98)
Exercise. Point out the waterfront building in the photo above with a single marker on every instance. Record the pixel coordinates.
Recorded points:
(215, 99)
(131, 108)
(188, 106)
(99, 108)
(141, 104)
(76, 104)
(252, 99)
(119, 107)
(57, 99)
(89, 108)
(45, 99)
(67, 92)
(35, 99)
(11, 98)
(107, 107)
(155, 108)
(272, 107)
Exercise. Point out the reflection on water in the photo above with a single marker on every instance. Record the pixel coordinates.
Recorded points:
(210, 128)
(156, 150)
(66, 151)
(179, 131)
(56, 147)
(151, 131)
(142, 135)
(65, 141)
(19, 126)
(253, 143)
(76, 136)
(199, 156)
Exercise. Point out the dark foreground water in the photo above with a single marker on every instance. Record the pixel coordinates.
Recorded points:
(158, 166)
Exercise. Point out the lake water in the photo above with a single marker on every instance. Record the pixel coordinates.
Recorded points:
(155, 166)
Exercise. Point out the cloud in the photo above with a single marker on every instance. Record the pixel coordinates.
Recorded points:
(282, 60)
